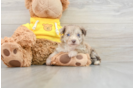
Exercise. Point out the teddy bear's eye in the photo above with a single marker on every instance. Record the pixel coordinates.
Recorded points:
(68, 34)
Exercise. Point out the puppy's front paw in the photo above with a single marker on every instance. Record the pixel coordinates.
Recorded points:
(72, 54)
(48, 62)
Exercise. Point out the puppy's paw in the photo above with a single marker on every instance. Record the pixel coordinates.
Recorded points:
(97, 62)
(48, 62)
(72, 54)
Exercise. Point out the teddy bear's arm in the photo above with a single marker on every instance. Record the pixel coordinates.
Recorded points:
(28, 3)
(65, 4)
(24, 36)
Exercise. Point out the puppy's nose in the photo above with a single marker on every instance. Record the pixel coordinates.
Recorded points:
(73, 41)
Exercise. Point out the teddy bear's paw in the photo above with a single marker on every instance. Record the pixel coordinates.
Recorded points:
(12, 55)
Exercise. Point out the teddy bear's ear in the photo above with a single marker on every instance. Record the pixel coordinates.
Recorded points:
(28, 3)
(65, 4)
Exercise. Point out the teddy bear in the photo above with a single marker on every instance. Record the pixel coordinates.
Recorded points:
(33, 42)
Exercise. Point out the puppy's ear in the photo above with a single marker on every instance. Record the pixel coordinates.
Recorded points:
(63, 30)
(84, 32)
(28, 3)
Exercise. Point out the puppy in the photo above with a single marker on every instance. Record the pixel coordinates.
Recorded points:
(72, 41)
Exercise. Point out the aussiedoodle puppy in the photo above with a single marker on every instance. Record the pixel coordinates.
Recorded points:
(72, 41)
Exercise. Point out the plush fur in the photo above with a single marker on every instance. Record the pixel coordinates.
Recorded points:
(41, 50)
(23, 49)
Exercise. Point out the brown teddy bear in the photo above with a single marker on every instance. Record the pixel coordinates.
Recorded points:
(33, 42)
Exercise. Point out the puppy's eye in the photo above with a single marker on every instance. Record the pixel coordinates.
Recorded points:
(68, 34)
(78, 35)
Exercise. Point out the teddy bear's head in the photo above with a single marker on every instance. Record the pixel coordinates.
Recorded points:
(46, 8)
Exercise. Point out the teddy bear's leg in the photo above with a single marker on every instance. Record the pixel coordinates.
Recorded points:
(13, 55)
(24, 37)
(48, 61)
(16, 51)
(27, 56)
